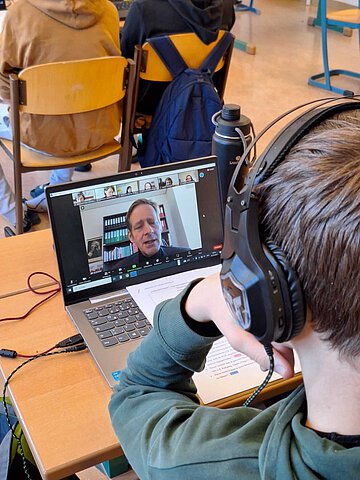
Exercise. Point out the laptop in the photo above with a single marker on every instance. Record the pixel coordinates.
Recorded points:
(97, 261)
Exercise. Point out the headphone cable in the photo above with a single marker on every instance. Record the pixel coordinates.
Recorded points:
(75, 348)
(270, 353)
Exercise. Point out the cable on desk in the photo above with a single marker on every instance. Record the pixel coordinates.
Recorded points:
(38, 291)
(75, 348)
(67, 342)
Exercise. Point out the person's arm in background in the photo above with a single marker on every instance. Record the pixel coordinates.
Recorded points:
(9, 55)
(155, 411)
(228, 17)
(133, 32)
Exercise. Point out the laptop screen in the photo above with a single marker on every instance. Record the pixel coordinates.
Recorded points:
(176, 225)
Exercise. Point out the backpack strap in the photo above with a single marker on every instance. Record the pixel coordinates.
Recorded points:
(214, 57)
(169, 54)
(6, 438)
(5, 454)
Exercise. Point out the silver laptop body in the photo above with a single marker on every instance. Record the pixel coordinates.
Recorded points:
(94, 252)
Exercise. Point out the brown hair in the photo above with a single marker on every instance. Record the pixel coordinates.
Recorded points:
(310, 207)
(140, 201)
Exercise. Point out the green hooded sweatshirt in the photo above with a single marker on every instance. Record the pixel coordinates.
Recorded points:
(167, 435)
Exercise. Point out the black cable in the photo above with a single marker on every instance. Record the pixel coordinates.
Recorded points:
(67, 342)
(75, 348)
(270, 353)
(70, 341)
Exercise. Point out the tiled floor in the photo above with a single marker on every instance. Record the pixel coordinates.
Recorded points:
(94, 474)
(288, 51)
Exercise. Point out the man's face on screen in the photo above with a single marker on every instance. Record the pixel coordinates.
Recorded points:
(145, 229)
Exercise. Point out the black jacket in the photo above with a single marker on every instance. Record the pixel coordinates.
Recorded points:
(152, 18)
(139, 259)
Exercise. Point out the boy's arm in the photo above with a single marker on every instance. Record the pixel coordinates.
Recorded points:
(155, 411)
(132, 33)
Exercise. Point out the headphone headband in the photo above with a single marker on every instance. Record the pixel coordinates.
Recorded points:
(280, 146)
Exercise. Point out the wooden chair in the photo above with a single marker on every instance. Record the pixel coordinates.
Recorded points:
(342, 18)
(150, 67)
(64, 88)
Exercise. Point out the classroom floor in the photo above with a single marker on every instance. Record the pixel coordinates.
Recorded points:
(265, 85)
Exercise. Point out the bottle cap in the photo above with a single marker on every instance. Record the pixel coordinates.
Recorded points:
(230, 112)
(230, 119)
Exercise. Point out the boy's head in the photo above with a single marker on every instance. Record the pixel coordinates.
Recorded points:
(310, 207)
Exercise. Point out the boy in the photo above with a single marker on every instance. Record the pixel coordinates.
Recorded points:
(310, 208)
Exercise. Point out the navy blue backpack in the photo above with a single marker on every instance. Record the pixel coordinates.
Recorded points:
(181, 127)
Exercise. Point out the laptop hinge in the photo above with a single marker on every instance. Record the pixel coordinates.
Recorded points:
(108, 296)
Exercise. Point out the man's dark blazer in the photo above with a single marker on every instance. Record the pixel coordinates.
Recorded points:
(139, 259)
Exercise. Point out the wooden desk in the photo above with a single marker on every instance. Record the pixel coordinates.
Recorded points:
(61, 401)
(23, 254)
(273, 389)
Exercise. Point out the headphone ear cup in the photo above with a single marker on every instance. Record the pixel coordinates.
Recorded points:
(294, 293)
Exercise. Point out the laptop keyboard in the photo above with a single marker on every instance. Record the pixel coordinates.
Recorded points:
(118, 322)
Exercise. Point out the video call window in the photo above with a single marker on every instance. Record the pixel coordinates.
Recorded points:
(177, 224)
(188, 228)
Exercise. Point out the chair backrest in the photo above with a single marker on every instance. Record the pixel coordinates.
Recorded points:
(73, 86)
(149, 66)
(192, 50)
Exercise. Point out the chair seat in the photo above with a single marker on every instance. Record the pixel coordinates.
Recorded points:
(35, 160)
(351, 15)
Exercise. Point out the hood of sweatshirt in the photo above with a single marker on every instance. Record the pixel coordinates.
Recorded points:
(202, 16)
(290, 450)
(78, 14)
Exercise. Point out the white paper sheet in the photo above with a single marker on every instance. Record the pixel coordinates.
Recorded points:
(227, 371)
(149, 294)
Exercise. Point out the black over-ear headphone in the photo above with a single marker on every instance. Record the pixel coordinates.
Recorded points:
(260, 287)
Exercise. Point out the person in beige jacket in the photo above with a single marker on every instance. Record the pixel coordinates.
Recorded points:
(43, 31)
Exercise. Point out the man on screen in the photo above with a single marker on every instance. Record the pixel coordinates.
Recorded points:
(144, 231)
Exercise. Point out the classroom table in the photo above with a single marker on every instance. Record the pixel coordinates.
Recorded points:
(20, 256)
(62, 400)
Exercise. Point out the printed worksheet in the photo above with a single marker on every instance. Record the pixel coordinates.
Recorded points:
(149, 294)
(227, 371)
